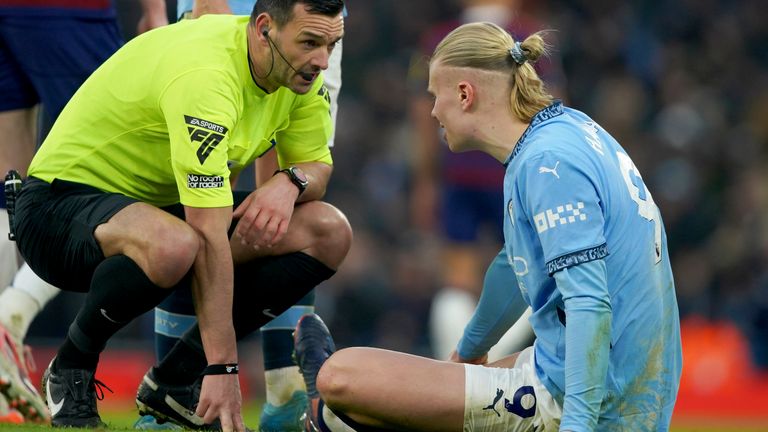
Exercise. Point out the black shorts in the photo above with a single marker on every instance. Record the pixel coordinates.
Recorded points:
(55, 225)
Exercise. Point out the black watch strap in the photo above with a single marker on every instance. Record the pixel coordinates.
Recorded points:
(297, 177)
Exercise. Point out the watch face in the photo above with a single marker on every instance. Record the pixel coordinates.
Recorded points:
(299, 175)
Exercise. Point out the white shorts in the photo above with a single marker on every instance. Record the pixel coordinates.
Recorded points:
(508, 399)
(332, 81)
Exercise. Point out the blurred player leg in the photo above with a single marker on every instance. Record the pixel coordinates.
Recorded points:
(8, 414)
(18, 307)
(17, 126)
(8, 256)
(21, 301)
(464, 212)
(173, 317)
(462, 215)
(452, 309)
(286, 395)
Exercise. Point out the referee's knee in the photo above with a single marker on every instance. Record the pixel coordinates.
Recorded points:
(170, 259)
(332, 234)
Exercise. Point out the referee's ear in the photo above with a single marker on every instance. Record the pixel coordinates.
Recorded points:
(262, 24)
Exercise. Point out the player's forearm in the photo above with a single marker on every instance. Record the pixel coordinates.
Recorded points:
(212, 288)
(587, 340)
(318, 174)
(500, 306)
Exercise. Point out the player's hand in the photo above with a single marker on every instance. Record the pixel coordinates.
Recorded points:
(266, 213)
(220, 398)
(455, 358)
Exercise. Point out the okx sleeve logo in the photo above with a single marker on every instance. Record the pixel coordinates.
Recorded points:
(207, 133)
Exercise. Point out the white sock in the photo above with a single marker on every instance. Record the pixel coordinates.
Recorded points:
(17, 310)
(334, 423)
(516, 339)
(21, 302)
(9, 260)
(282, 383)
(451, 311)
(26, 280)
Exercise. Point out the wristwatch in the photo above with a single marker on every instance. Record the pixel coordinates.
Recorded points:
(297, 177)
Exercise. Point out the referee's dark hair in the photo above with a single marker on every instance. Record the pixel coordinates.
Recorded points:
(281, 11)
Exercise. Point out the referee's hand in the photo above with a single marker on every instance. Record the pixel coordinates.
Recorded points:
(266, 213)
(220, 398)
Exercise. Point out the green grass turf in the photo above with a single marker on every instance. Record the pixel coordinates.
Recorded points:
(122, 421)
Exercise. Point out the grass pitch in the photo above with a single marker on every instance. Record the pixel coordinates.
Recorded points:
(121, 420)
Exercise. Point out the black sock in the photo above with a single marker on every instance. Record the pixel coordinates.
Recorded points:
(277, 347)
(277, 335)
(71, 357)
(273, 284)
(120, 292)
(182, 365)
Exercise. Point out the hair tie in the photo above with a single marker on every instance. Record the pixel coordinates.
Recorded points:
(517, 54)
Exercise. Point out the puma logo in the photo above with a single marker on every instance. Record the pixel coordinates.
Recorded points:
(552, 170)
(492, 406)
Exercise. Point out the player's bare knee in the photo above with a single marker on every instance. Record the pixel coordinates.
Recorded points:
(336, 377)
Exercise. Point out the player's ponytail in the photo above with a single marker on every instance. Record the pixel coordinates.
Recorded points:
(529, 94)
(487, 46)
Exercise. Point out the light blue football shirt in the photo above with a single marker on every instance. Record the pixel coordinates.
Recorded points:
(239, 7)
(587, 247)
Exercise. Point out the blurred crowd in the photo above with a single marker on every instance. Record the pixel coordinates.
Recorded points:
(682, 84)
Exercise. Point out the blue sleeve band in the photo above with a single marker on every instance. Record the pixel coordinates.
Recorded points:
(580, 257)
(501, 304)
